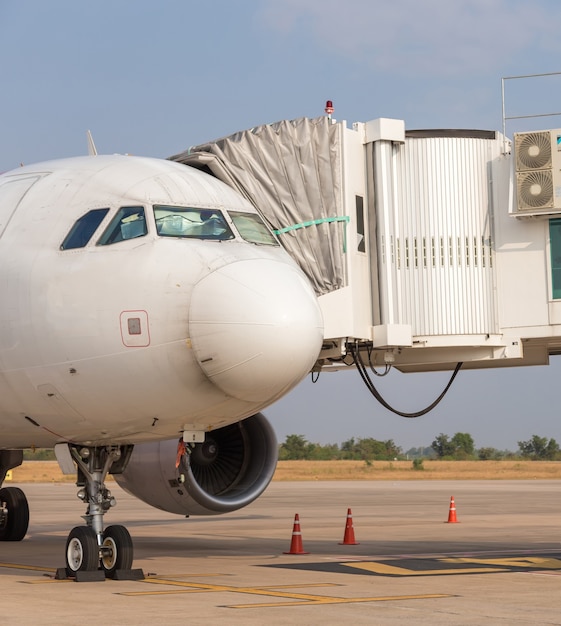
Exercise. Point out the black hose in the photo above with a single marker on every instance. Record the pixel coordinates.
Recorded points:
(370, 385)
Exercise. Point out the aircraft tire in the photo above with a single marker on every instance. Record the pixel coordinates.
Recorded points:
(117, 550)
(82, 553)
(14, 527)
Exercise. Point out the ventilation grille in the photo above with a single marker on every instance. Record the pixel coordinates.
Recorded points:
(533, 151)
(535, 189)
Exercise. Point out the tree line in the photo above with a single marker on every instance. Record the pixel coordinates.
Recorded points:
(460, 446)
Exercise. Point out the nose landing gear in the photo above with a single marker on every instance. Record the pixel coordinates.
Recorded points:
(90, 548)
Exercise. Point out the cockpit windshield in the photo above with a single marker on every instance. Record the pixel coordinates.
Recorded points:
(129, 223)
(83, 229)
(252, 229)
(190, 222)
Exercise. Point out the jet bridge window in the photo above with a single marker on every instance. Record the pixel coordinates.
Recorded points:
(555, 250)
(252, 228)
(191, 223)
(359, 200)
(83, 229)
(128, 223)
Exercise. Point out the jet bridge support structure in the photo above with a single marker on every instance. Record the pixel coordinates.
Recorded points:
(416, 242)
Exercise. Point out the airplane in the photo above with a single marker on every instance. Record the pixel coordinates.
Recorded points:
(147, 317)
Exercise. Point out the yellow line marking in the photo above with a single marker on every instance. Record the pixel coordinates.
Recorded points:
(530, 561)
(33, 568)
(260, 591)
(427, 596)
(294, 599)
(392, 570)
(302, 586)
(196, 588)
(46, 581)
(163, 593)
(196, 575)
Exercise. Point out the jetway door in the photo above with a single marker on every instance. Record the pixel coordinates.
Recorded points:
(434, 216)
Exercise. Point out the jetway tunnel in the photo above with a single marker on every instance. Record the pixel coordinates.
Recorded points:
(415, 241)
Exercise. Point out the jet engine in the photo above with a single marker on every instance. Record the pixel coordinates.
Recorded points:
(228, 471)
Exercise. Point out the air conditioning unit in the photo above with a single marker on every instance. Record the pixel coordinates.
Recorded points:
(538, 172)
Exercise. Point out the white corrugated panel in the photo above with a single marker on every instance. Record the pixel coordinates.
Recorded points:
(434, 218)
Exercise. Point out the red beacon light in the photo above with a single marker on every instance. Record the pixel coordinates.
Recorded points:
(329, 108)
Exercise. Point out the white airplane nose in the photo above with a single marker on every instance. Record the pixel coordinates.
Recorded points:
(256, 328)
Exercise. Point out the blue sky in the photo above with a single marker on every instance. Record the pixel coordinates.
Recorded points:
(152, 78)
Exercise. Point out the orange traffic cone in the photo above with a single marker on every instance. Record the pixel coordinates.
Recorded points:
(296, 546)
(349, 537)
(452, 514)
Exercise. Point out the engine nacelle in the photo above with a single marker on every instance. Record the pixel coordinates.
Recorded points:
(225, 473)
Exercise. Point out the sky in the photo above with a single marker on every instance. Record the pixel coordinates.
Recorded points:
(153, 78)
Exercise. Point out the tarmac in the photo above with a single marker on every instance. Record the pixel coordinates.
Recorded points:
(499, 563)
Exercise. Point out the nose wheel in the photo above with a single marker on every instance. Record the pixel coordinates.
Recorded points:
(116, 550)
(83, 554)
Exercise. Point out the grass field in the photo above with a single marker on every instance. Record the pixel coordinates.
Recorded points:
(48, 471)
(403, 470)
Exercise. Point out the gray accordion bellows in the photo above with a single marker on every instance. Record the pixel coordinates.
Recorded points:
(291, 172)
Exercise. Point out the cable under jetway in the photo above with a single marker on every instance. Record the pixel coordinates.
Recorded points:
(363, 371)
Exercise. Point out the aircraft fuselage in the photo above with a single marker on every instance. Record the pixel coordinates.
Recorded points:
(150, 326)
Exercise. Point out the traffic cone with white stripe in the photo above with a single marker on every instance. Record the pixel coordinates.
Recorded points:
(349, 536)
(452, 513)
(296, 546)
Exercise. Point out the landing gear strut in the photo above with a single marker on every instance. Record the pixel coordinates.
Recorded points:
(90, 547)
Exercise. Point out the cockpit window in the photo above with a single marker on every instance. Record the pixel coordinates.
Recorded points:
(83, 229)
(189, 222)
(252, 228)
(128, 223)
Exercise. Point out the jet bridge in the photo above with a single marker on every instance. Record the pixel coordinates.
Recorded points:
(426, 248)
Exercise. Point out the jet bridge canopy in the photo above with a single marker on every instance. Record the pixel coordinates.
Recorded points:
(291, 171)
